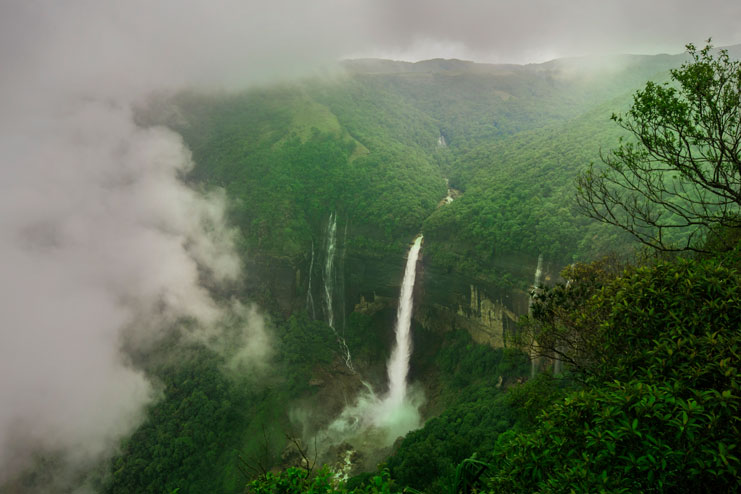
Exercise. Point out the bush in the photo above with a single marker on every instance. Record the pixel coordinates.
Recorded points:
(299, 481)
(662, 411)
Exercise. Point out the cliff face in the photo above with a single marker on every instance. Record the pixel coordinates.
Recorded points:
(444, 301)
(489, 314)
(489, 322)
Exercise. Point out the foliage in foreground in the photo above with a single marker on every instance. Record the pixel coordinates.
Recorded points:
(661, 411)
(681, 171)
(298, 480)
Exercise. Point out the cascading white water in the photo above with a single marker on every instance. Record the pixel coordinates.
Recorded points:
(329, 268)
(448, 198)
(374, 421)
(329, 278)
(398, 366)
(538, 271)
(309, 296)
(536, 281)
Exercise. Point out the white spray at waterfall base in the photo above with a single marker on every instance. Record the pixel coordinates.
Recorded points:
(374, 421)
(398, 367)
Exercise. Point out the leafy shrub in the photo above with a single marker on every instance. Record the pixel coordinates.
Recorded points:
(662, 413)
(299, 481)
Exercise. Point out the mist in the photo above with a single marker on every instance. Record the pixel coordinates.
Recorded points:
(542, 30)
(100, 239)
(102, 242)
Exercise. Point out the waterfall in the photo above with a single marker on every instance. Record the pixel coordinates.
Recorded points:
(309, 296)
(329, 268)
(557, 366)
(536, 282)
(449, 198)
(329, 279)
(398, 366)
(538, 272)
(380, 420)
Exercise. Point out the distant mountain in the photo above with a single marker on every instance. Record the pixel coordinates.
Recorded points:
(372, 153)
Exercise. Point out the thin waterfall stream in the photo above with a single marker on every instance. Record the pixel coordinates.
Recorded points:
(309, 296)
(329, 268)
(536, 282)
(329, 286)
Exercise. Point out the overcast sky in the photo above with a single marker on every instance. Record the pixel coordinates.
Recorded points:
(100, 240)
(138, 42)
(538, 30)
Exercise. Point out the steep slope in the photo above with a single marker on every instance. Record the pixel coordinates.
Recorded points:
(368, 153)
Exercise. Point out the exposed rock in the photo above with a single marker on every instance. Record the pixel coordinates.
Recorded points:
(371, 307)
(487, 321)
(345, 461)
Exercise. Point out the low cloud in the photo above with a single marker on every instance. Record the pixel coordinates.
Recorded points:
(100, 240)
(99, 237)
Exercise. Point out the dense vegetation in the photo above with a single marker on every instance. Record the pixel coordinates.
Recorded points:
(287, 162)
(477, 412)
(649, 396)
(208, 430)
(518, 200)
(660, 404)
(652, 346)
(365, 145)
(188, 430)
(653, 405)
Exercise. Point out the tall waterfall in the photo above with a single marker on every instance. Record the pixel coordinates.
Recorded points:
(309, 296)
(329, 268)
(380, 420)
(398, 366)
(329, 285)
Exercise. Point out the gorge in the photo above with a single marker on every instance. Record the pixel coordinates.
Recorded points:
(403, 228)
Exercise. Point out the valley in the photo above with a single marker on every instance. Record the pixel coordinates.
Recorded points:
(370, 247)
(407, 233)
(330, 181)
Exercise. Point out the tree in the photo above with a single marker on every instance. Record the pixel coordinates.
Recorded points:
(679, 177)
(661, 410)
(559, 328)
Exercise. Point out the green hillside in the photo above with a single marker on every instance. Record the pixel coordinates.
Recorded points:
(366, 145)
(648, 398)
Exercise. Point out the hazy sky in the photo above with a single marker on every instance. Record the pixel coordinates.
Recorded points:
(98, 237)
(137, 42)
(538, 30)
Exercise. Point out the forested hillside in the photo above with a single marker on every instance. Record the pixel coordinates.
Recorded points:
(366, 144)
(650, 402)
(371, 247)
(642, 391)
